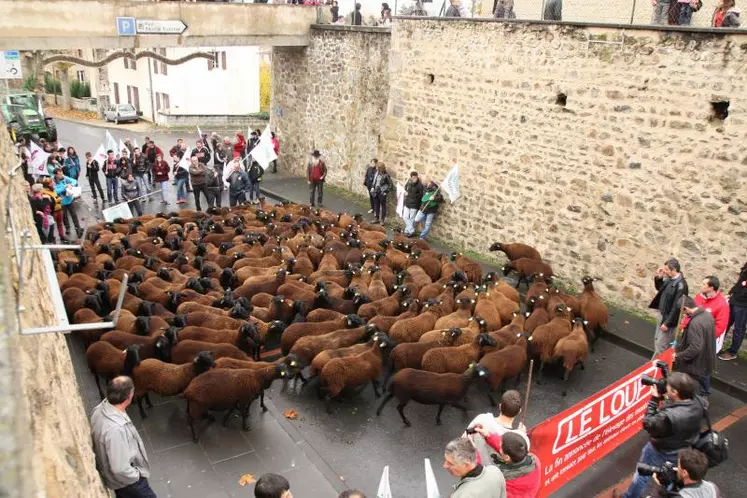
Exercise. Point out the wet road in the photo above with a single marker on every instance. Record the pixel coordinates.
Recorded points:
(357, 444)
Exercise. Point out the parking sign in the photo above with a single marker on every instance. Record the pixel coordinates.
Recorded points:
(10, 65)
(126, 26)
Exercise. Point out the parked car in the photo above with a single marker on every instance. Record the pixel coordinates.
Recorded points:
(121, 112)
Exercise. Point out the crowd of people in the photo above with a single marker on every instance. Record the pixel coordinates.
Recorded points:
(138, 174)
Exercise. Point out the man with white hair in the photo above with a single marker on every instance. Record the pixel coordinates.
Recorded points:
(476, 481)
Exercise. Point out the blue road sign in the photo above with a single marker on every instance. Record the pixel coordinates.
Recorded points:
(126, 26)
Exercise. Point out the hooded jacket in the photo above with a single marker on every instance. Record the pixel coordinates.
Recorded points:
(61, 188)
(240, 144)
(716, 306)
(72, 167)
(738, 292)
(730, 19)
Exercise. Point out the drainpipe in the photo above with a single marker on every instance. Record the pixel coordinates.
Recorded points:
(150, 88)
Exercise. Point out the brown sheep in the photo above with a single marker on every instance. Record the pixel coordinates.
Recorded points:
(308, 329)
(510, 333)
(246, 337)
(535, 316)
(573, 350)
(573, 302)
(76, 299)
(540, 292)
(317, 364)
(459, 318)
(410, 329)
(353, 371)
(470, 267)
(81, 281)
(384, 323)
(166, 379)
(108, 361)
(430, 388)
(487, 309)
(593, 310)
(307, 347)
(226, 389)
(389, 306)
(516, 251)
(430, 264)
(504, 364)
(209, 320)
(526, 267)
(377, 288)
(545, 337)
(185, 351)
(410, 354)
(323, 315)
(505, 306)
(451, 359)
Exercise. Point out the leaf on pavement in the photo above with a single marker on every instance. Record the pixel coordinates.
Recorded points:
(246, 479)
(291, 414)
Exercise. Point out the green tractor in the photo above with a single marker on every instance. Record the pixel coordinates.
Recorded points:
(23, 116)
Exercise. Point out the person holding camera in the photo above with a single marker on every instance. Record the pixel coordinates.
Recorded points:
(673, 420)
(695, 352)
(686, 480)
(671, 286)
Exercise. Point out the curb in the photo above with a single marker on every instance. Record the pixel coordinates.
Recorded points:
(314, 457)
(719, 383)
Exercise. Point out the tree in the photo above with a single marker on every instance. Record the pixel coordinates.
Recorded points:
(64, 67)
(265, 86)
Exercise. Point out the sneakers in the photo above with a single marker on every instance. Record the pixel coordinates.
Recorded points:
(375, 221)
(727, 356)
(164, 202)
(370, 211)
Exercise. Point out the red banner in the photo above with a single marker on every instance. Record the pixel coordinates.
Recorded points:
(570, 442)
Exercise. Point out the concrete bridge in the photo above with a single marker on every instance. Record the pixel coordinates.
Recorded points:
(77, 24)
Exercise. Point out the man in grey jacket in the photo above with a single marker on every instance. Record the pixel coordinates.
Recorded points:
(476, 481)
(120, 453)
(695, 351)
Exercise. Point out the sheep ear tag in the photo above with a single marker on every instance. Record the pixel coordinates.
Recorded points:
(293, 363)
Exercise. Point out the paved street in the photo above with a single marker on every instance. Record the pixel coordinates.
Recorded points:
(320, 453)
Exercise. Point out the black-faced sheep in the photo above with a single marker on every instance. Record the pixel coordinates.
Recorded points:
(185, 351)
(573, 349)
(504, 364)
(545, 337)
(593, 310)
(246, 337)
(516, 251)
(526, 267)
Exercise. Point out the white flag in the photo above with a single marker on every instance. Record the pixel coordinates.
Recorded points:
(100, 156)
(111, 144)
(227, 170)
(401, 200)
(134, 144)
(385, 491)
(184, 162)
(431, 486)
(121, 210)
(122, 147)
(450, 185)
(37, 162)
(264, 152)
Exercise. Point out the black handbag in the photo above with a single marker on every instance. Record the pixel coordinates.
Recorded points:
(714, 445)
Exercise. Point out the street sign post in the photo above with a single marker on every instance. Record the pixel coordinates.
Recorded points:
(10, 65)
(160, 27)
(126, 26)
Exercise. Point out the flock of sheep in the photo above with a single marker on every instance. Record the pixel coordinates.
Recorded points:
(210, 294)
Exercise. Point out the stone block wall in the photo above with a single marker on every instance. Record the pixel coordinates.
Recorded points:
(632, 170)
(331, 96)
(47, 449)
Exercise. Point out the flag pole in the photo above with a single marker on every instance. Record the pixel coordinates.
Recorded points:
(423, 207)
(526, 396)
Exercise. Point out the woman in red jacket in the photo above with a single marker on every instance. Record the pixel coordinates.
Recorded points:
(240, 145)
(161, 175)
(520, 468)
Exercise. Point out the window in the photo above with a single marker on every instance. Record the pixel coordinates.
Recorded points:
(81, 75)
(129, 94)
(158, 101)
(136, 98)
(155, 66)
(126, 62)
(165, 100)
(164, 66)
(116, 93)
(133, 64)
(218, 61)
(80, 54)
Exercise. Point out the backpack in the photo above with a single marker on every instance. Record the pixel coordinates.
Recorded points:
(712, 444)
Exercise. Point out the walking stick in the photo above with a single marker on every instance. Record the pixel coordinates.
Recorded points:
(526, 396)
(424, 206)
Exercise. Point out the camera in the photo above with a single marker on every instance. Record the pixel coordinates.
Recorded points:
(471, 431)
(661, 384)
(666, 473)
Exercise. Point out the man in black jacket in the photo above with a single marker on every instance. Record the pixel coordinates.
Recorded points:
(414, 194)
(737, 315)
(368, 181)
(695, 351)
(671, 286)
(672, 425)
(692, 466)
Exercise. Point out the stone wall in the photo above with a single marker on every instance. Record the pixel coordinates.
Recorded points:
(632, 170)
(331, 96)
(45, 433)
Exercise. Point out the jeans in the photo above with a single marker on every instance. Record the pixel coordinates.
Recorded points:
(181, 194)
(197, 190)
(660, 13)
(135, 208)
(409, 217)
(69, 211)
(371, 200)
(662, 340)
(686, 14)
(380, 207)
(274, 165)
(164, 186)
(739, 319)
(93, 182)
(254, 191)
(704, 382)
(214, 196)
(140, 489)
(57, 215)
(112, 184)
(143, 184)
(428, 222)
(319, 188)
(234, 199)
(649, 456)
